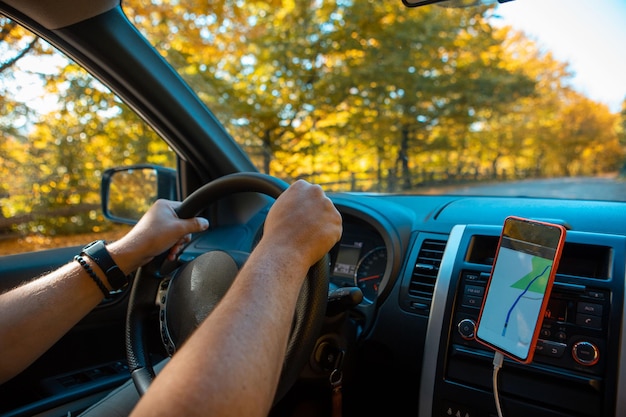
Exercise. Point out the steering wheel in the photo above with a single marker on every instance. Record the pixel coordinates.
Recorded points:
(188, 294)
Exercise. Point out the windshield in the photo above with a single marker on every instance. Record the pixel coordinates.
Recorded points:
(358, 95)
(523, 98)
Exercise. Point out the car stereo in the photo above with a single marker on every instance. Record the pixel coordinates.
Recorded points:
(574, 330)
(580, 340)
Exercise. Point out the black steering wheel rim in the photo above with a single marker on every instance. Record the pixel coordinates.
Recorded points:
(310, 307)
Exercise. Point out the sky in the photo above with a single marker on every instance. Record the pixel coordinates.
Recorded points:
(588, 34)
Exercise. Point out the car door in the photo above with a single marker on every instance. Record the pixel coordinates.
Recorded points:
(51, 209)
(52, 158)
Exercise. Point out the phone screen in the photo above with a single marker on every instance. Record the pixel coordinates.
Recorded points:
(519, 286)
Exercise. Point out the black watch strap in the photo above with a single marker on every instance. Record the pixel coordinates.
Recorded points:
(98, 252)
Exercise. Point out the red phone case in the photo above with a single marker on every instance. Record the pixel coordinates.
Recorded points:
(558, 250)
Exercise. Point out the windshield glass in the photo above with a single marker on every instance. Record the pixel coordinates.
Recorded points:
(374, 96)
(524, 98)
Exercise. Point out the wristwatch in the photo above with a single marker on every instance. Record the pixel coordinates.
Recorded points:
(98, 252)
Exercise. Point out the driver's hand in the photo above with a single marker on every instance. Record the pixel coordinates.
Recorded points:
(159, 230)
(304, 222)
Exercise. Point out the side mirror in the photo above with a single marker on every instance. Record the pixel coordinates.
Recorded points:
(128, 192)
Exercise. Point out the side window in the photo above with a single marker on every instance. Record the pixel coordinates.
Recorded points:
(60, 130)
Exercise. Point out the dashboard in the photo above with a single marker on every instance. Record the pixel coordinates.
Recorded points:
(422, 264)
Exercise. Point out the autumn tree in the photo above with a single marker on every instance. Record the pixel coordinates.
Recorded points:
(16, 44)
(337, 92)
(62, 149)
(372, 86)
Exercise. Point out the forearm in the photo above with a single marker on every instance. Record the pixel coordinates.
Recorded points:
(234, 359)
(36, 315)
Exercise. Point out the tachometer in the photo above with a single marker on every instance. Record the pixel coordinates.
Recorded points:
(370, 271)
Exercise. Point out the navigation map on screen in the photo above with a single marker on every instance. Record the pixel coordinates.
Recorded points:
(514, 303)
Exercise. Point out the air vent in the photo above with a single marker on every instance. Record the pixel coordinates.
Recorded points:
(578, 259)
(422, 283)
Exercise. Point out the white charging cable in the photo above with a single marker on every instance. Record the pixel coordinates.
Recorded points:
(497, 364)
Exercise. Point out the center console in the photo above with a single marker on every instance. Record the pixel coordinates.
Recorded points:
(575, 359)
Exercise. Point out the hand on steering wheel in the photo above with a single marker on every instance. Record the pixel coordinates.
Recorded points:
(182, 310)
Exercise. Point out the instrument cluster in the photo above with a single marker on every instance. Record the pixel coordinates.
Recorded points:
(359, 260)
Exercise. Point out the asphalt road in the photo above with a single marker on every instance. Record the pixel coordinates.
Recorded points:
(584, 188)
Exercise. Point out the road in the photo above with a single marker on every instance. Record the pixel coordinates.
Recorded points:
(584, 188)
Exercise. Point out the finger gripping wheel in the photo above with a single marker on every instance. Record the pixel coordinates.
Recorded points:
(310, 306)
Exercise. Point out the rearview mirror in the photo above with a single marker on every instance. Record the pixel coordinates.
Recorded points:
(451, 3)
(128, 192)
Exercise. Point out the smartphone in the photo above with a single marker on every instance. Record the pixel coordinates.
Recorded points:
(519, 286)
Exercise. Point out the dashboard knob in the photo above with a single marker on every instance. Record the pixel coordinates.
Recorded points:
(585, 353)
(466, 328)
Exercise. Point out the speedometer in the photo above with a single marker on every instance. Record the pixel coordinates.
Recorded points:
(369, 272)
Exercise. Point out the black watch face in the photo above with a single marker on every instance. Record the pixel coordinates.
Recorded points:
(98, 252)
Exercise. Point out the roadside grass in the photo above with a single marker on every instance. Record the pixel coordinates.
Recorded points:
(31, 243)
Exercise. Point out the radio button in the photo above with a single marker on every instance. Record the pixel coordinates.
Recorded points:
(595, 294)
(472, 276)
(590, 308)
(474, 290)
(589, 321)
(466, 328)
(548, 348)
(585, 353)
(469, 301)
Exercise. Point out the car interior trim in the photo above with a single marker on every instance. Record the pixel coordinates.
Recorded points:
(435, 321)
(57, 14)
(620, 400)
